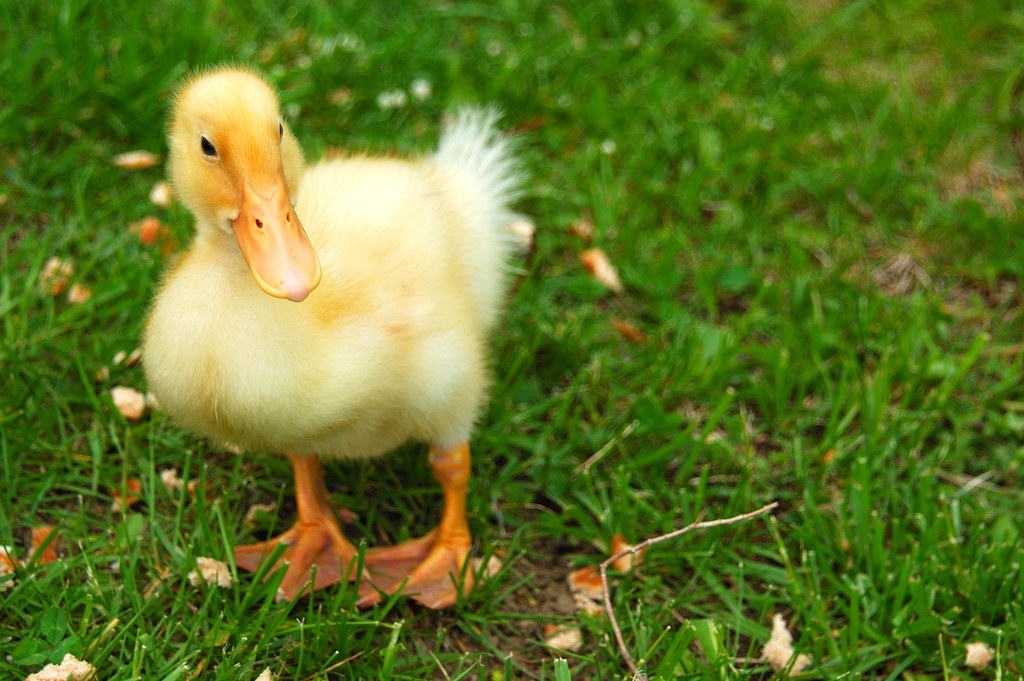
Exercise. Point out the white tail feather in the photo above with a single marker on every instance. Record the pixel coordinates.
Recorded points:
(473, 145)
(482, 177)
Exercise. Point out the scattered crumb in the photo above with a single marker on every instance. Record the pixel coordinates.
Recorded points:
(54, 276)
(127, 499)
(193, 489)
(129, 401)
(211, 571)
(979, 656)
(630, 560)
(148, 229)
(341, 97)
(256, 509)
(79, 293)
(161, 194)
(586, 589)
(102, 374)
(491, 569)
(584, 229)
(129, 359)
(69, 669)
(586, 581)
(138, 159)
(392, 99)
(233, 448)
(7, 564)
(265, 675)
(421, 89)
(566, 638)
(779, 649)
(40, 535)
(588, 605)
(172, 481)
(597, 263)
(522, 231)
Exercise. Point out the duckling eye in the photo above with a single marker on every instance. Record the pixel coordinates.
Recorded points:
(208, 148)
(280, 130)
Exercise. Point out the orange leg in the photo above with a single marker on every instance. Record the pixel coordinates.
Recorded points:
(433, 563)
(428, 569)
(314, 539)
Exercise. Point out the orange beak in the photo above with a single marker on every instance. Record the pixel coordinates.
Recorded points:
(275, 245)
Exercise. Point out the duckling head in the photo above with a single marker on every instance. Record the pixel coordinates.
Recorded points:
(235, 164)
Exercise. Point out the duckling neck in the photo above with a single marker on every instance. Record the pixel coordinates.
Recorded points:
(218, 244)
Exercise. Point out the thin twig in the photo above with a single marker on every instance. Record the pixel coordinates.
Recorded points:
(599, 454)
(968, 483)
(651, 542)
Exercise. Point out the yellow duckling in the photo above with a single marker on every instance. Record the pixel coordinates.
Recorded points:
(336, 311)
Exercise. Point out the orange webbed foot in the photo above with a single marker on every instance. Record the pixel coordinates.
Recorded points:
(428, 570)
(315, 539)
(431, 569)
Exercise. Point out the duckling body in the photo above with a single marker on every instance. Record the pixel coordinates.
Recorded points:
(389, 347)
(378, 339)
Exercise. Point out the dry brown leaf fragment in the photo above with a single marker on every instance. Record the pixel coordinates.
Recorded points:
(265, 675)
(901, 274)
(138, 159)
(40, 536)
(979, 656)
(53, 278)
(778, 651)
(627, 562)
(628, 331)
(69, 669)
(211, 571)
(127, 498)
(129, 401)
(600, 267)
(161, 194)
(529, 124)
(566, 638)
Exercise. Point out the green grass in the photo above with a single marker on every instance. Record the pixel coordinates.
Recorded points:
(757, 171)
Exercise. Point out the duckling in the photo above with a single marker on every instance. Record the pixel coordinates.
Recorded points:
(334, 311)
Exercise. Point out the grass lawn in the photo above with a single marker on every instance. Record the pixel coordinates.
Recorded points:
(814, 208)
